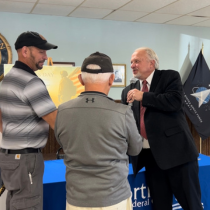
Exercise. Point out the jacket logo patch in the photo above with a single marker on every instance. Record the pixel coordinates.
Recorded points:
(87, 100)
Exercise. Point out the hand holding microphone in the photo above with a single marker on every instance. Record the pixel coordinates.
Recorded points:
(134, 94)
(132, 81)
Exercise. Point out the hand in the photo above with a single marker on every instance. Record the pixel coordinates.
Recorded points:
(134, 94)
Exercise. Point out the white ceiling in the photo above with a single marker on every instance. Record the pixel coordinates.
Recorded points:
(176, 12)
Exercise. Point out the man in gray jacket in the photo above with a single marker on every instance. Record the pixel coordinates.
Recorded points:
(97, 135)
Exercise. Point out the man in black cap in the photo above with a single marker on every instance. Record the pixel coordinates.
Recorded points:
(26, 109)
(97, 142)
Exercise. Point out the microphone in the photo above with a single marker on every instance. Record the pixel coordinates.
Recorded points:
(132, 81)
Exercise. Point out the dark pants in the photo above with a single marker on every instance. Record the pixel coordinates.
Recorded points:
(182, 181)
(24, 192)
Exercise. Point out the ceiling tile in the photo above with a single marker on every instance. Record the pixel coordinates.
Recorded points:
(107, 4)
(125, 15)
(187, 20)
(146, 5)
(46, 9)
(84, 12)
(157, 18)
(183, 7)
(204, 23)
(30, 1)
(62, 2)
(16, 7)
(202, 12)
(178, 12)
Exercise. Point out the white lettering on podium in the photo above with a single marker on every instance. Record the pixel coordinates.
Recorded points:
(145, 195)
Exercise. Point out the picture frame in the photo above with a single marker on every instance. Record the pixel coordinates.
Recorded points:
(120, 75)
(63, 63)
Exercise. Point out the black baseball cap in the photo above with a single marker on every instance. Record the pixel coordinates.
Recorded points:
(31, 38)
(103, 61)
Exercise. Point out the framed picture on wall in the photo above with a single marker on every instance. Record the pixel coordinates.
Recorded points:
(120, 75)
(63, 63)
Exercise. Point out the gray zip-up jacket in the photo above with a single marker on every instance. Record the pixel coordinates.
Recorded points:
(97, 135)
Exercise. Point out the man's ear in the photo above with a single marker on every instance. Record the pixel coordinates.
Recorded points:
(24, 51)
(111, 79)
(80, 79)
(153, 63)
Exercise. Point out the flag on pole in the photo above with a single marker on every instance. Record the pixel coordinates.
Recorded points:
(197, 97)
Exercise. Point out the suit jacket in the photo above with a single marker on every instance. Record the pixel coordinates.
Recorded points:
(168, 133)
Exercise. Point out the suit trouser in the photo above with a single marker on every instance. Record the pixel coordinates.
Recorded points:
(182, 181)
(123, 205)
(24, 192)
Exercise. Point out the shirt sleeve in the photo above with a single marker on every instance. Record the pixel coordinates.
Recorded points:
(56, 132)
(133, 137)
(38, 97)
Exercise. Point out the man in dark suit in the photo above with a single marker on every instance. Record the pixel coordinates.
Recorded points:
(169, 153)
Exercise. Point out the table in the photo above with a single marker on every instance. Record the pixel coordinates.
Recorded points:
(55, 193)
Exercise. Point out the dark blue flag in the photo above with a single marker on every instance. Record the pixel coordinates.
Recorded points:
(197, 97)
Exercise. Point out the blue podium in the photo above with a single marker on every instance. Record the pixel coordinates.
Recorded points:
(55, 193)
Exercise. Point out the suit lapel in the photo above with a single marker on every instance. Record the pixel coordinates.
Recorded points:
(137, 162)
(137, 86)
(136, 106)
(155, 80)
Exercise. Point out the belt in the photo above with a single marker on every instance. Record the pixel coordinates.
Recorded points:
(20, 151)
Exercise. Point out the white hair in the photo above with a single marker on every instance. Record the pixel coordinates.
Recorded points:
(151, 55)
(95, 78)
